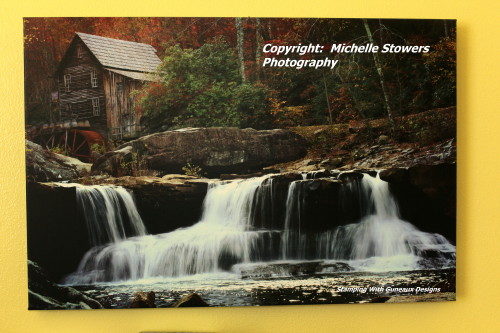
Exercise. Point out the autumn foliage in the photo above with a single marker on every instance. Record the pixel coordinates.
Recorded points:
(202, 83)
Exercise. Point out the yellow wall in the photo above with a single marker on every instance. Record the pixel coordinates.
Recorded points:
(478, 228)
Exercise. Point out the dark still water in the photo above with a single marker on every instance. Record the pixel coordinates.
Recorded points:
(229, 289)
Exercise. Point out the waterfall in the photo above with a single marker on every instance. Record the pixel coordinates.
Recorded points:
(381, 233)
(292, 240)
(239, 225)
(223, 236)
(110, 213)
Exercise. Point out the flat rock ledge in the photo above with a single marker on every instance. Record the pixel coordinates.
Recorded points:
(215, 150)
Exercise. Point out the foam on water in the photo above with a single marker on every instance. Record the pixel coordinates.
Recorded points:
(227, 234)
(381, 235)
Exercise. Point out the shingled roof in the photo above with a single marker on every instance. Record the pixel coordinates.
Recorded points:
(122, 54)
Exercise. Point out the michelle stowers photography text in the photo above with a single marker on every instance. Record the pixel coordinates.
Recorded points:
(337, 49)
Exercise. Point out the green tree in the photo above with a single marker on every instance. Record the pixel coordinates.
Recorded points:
(203, 87)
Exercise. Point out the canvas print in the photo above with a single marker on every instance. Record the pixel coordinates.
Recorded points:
(180, 162)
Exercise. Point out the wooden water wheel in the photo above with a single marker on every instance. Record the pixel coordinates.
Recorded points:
(72, 142)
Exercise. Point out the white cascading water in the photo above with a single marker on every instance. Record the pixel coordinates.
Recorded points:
(292, 240)
(381, 236)
(223, 231)
(227, 233)
(108, 211)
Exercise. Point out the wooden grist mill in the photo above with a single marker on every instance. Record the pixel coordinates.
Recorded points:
(94, 101)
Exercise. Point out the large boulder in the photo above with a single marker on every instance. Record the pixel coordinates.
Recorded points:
(57, 234)
(143, 299)
(44, 165)
(82, 167)
(288, 269)
(190, 300)
(43, 294)
(215, 150)
(426, 195)
(395, 175)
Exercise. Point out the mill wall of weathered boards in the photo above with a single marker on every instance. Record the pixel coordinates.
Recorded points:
(95, 80)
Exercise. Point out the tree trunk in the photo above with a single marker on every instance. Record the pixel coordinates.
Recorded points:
(239, 41)
(378, 66)
(353, 96)
(330, 117)
(269, 29)
(258, 45)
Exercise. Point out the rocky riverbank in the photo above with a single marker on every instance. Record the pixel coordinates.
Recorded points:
(335, 288)
(427, 138)
(422, 138)
(43, 165)
(45, 294)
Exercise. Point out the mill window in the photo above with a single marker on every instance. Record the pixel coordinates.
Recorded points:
(68, 109)
(79, 52)
(93, 78)
(67, 81)
(96, 109)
